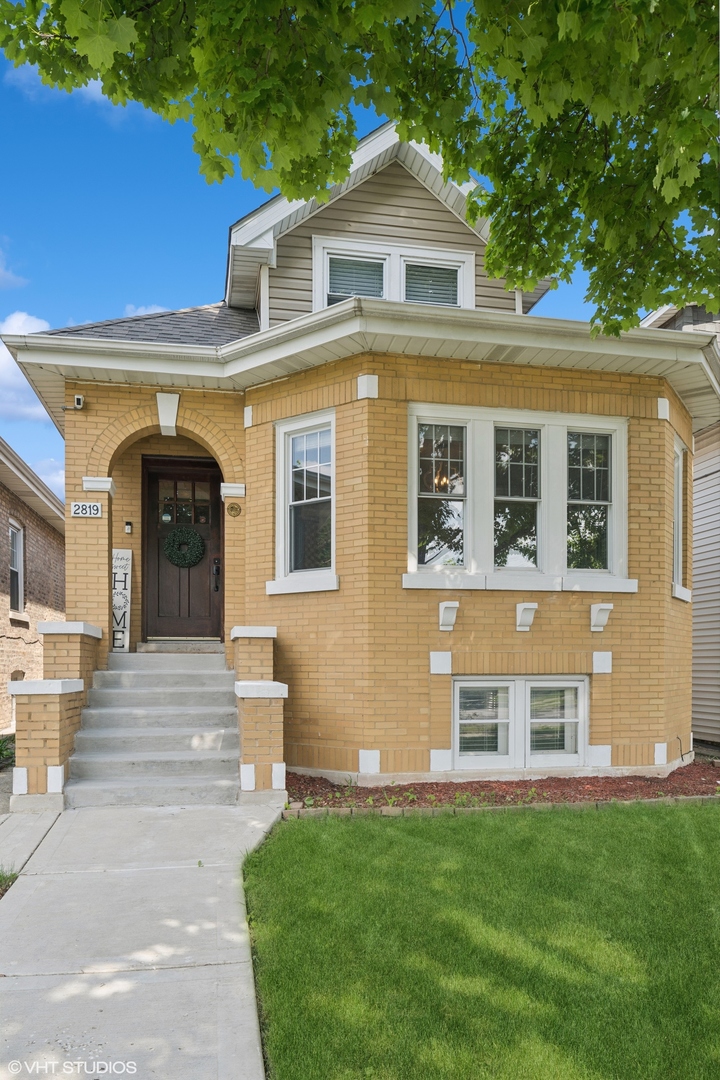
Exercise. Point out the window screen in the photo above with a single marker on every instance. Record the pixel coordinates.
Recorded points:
(431, 284)
(354, 277)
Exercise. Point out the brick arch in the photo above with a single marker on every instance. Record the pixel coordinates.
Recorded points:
(143, 421)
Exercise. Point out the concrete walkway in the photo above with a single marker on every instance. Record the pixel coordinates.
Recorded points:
(124, 940)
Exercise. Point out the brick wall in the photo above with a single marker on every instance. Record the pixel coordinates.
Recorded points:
(44, 548)
(356, 660)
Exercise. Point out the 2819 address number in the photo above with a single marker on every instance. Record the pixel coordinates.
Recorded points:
(86, 509)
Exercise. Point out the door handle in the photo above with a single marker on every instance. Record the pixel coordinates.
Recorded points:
(216, 574)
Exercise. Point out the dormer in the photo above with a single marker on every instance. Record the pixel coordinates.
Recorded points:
(394, 230)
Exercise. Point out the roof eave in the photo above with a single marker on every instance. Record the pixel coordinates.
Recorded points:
(357, 326)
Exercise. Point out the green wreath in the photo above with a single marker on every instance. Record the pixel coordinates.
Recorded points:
(190, 540)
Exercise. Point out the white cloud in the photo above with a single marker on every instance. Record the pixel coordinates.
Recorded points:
(52, 472)
(8, 280)
(149, 309)
(17, 398)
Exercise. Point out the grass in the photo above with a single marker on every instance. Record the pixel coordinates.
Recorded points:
(565, 945)
(6, 880)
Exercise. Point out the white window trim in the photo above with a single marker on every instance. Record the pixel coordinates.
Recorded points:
(678, 590)
(552, 574)
(299, 580)
(19, 529)
(519, 756)
(395, 257)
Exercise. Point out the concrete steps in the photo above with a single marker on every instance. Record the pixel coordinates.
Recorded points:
(160, 729)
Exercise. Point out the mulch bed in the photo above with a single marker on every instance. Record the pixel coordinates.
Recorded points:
(698, 778)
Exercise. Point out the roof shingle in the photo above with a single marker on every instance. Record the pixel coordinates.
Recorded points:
(212, 324)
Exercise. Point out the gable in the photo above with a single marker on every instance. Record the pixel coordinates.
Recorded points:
(391, 206)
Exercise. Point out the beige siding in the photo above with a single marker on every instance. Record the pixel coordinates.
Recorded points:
(706, 586)
(391, 206)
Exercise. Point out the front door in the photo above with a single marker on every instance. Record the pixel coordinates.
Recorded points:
(183, 580)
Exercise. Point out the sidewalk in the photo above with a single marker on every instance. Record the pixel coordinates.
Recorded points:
(125, 941)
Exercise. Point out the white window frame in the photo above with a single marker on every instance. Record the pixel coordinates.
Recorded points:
(551, 573)
(285, 581)
(395, 258)
(14, 526)
(519, 756)
(679, 590)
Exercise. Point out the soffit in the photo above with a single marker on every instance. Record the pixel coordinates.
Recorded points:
(689, 360)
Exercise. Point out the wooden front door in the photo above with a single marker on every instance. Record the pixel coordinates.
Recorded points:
(182, 602)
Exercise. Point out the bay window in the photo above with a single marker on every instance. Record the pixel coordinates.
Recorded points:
(503, 499)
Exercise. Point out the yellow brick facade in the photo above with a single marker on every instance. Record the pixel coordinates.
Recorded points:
(356, 660)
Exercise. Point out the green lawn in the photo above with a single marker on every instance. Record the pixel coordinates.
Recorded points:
(563, 945)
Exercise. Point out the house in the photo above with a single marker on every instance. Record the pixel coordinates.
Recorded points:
(368, 513)
(32, 571)
(706, 543)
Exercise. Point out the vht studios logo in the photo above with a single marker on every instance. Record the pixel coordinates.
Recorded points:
(72, 1068)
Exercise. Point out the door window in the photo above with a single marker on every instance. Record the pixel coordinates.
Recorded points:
(184, 502)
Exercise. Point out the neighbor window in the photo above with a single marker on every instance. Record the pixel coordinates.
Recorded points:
(441, 494)
(678, 497)
(588, 512)
(513, 499)
(16, 568)
(310, 503)
(519, 722)
(354, 277)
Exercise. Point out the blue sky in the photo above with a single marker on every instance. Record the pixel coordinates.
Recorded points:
(103, 212)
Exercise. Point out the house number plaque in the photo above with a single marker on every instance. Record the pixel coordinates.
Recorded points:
(233, 510)
(86, 509)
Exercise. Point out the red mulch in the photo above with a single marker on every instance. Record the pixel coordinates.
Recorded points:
(698, 778)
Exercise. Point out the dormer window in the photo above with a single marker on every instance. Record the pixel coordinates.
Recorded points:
(431, 284)
(354, 277)
(344, 268)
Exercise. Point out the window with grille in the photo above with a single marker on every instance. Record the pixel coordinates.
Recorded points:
(588, 497)
(499, 498)
(310, 502)
(518, 722)
(441, 495)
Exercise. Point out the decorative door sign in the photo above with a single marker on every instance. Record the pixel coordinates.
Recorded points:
(121, 582)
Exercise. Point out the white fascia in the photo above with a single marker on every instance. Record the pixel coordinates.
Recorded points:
(361, 325)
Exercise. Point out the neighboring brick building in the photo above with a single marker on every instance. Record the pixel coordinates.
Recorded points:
(459, 534)
(32, 571)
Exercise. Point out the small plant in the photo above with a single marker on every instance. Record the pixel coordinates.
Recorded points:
(309, 801)
(433, 800)
(462, 798)
(6, 879)
(370, 800)
(7, 749)
(411, 796)
(391, 800)
(530, 796)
